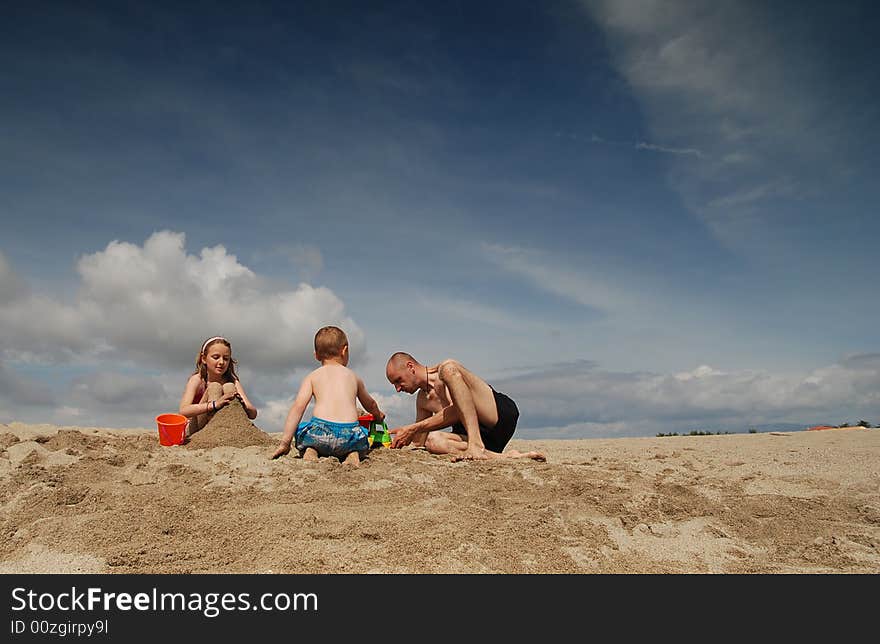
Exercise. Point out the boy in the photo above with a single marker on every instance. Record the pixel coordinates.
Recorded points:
(333, 429)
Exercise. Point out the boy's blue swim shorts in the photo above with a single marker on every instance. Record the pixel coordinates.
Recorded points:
(331, 439)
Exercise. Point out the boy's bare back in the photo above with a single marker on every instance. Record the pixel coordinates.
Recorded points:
(335, 389)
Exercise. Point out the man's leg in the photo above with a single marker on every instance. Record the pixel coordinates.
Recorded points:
(419, 441)
(496, 438)
(440, 442)
(473, 407)
(511, 453)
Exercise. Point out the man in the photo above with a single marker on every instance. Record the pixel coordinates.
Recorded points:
(482, 419)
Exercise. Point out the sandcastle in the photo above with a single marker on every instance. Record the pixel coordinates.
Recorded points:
(230, 427)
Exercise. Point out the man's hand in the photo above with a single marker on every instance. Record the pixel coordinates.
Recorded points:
(281, 450)
(402, 436)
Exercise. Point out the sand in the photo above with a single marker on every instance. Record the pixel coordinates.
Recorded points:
(97, 500)
(232, 428)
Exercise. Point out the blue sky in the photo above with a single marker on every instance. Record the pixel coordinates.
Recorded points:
(632, 217)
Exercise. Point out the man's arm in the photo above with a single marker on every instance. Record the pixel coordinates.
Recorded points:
(446, 417)
(425, 422)
(422, 411)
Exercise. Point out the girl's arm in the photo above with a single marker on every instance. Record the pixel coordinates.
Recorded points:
(248, 405)
(187, 407)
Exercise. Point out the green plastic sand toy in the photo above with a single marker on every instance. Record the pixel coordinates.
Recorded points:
(379, 435)
(378, 432)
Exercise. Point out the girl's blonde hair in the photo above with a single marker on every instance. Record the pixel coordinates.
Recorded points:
(202, 368)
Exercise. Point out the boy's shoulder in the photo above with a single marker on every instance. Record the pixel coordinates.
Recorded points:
(353, 372)
(333, 367)
(334, 370)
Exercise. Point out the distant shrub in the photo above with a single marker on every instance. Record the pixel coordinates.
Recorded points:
(753, 431)
(694, 432)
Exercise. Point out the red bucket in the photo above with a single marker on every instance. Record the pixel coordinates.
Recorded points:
(365, 420)
(172, 429)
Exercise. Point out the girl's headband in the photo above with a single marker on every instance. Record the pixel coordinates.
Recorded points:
(210, 340)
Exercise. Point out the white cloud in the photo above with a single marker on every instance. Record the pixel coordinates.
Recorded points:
(399, 408)
(306, 259)
(154, 305)
(273, 414)
(751, 194)
(16, 390)
(585, 430)
(660, 148)
(696, 53)
(610, 402)
(477, 312)
(703, 371)
(33, 326)
(651, 147)
(565, 281)
(11, 286)
(109, 389)
(68, 414)
(720, 81)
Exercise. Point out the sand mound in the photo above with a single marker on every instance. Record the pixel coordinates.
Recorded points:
(230, 427)
(70, 439)
(7, 439)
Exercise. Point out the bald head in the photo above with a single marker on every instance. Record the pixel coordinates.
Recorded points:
(399, 360)
(401, 372)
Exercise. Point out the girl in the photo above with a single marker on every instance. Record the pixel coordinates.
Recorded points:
(212, 385)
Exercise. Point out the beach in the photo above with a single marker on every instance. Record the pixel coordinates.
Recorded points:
(100, 500)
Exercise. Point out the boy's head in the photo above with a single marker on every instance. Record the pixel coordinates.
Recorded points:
(330, 342)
